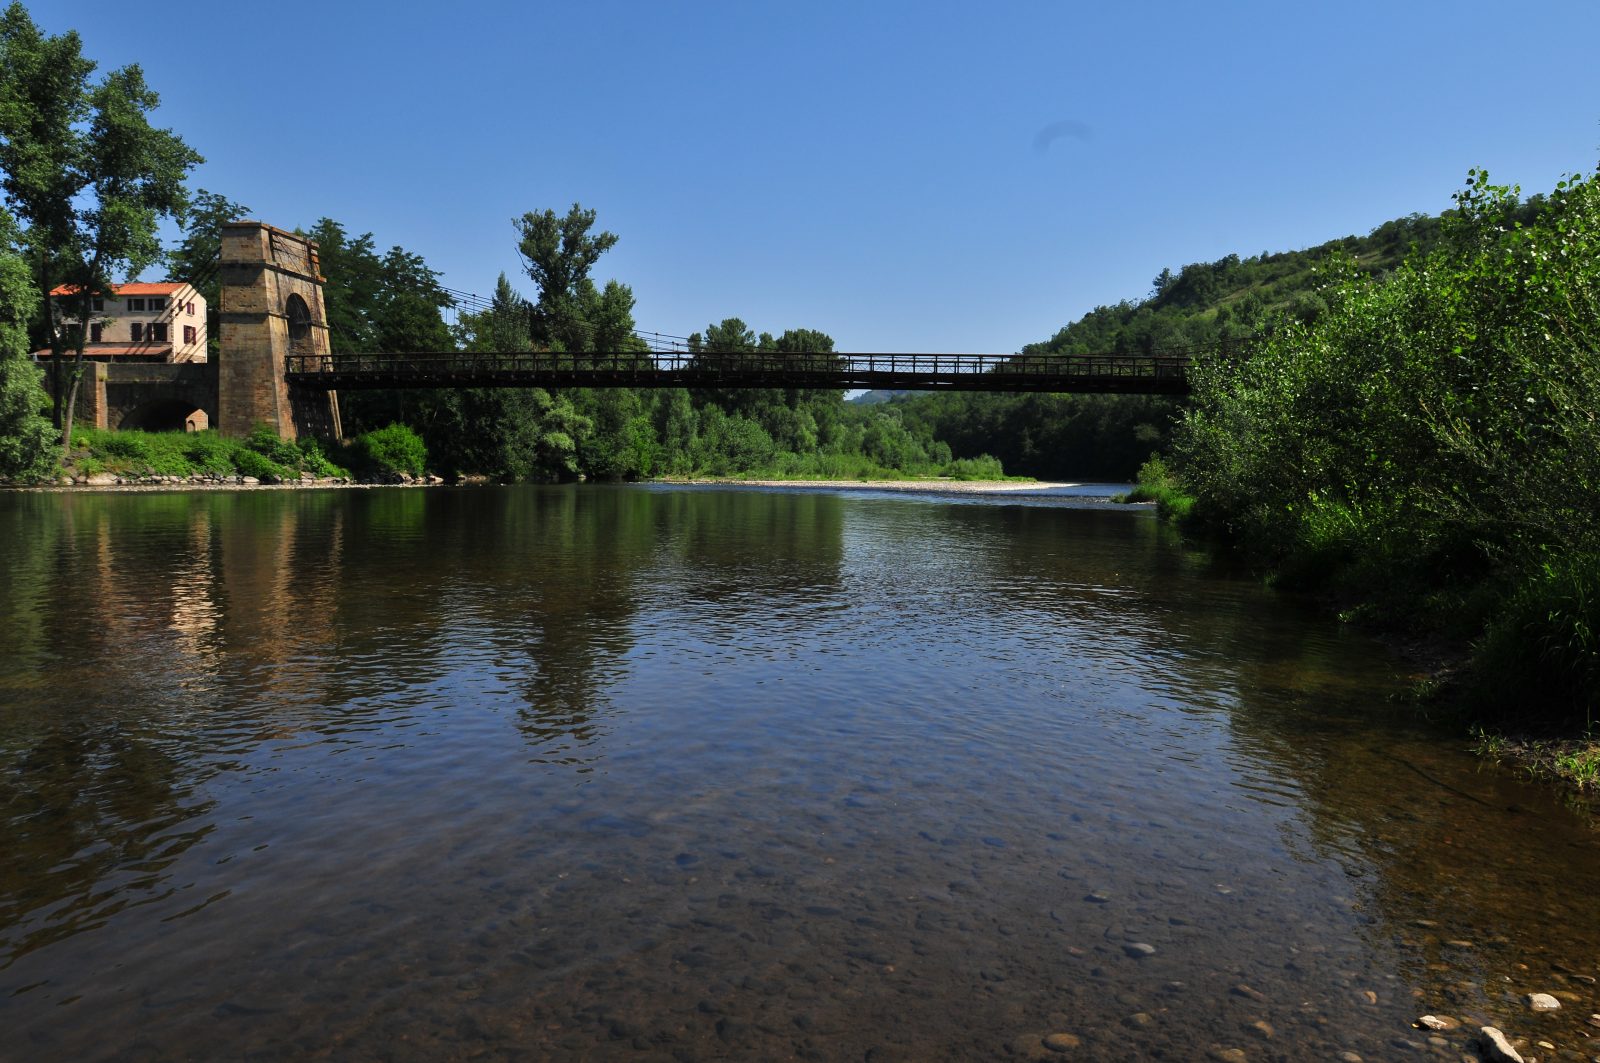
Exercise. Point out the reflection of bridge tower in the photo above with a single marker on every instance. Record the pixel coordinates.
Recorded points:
(271, 307)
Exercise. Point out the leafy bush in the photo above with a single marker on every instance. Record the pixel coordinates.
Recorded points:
(1540, 657)
(207, 452)
(130, 446)
(389, 450)
(314, 461)
(983, 467)
(281, 452)
(1159, 484)
(253, 463)
(1428, 445)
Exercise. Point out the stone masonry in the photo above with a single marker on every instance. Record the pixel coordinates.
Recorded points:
(271, 306)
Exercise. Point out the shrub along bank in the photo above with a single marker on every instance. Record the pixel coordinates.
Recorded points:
(1427, 450)
(382, 455)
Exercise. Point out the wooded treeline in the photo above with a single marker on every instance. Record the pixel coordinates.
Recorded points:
(1426, 447)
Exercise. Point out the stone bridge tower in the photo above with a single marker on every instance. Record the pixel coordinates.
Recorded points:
(271, 306)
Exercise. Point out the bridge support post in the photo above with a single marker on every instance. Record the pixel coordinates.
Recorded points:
(271, 306)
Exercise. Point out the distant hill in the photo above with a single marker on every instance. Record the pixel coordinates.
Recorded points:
(1108, 436)
(874, 398)
(1204, 302)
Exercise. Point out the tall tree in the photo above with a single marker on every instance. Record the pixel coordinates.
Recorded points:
(85, 172)
(25, 434)
(558, 253)
(195, 258)
(44, 99)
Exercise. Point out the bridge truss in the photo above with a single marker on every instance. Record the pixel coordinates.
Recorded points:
(1159, 373)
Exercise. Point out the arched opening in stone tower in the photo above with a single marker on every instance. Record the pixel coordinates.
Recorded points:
(299, 325)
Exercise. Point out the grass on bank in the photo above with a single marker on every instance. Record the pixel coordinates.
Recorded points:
(261, 454)
(1575, 762)
(1160, 485)
(791, 466)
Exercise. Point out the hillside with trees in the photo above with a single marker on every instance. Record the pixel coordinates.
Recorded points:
(1425, 449)
(1204, 305)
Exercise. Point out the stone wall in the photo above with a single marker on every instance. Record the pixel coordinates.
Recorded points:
(264, 271)
(156, 396)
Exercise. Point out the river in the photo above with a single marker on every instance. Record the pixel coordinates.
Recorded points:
(699, 773)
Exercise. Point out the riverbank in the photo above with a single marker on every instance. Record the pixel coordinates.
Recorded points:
(929, 486)
(1443, 668)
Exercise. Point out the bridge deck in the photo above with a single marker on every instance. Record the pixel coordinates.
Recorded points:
(1150, 374)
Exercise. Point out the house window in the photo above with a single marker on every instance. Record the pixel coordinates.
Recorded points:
(158, 333)
(189, 308)
(136, 331)
(97, 304)
(136, 305)
(158, 304)
(96, 331)
(188, 335)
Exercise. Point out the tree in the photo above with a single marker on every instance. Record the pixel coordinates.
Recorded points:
(558, 254)
(195, 258)
(86, 173)
(25, 434)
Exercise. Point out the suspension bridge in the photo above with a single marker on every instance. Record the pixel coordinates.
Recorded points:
(661, 360)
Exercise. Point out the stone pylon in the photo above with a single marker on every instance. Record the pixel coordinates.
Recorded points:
(271, 307)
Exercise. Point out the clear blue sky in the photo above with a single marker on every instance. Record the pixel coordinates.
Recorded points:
(871, 169)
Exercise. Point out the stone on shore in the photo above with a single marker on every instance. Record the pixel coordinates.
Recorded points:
(1542, 1002)
(1497, 1049)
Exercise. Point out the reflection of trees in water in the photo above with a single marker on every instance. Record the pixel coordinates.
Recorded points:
(557, 578)
(1467, 873)
(98, 774)
(1439, 854)
(724, 542)
(158, 635)
(1461, 872)
(94, 814)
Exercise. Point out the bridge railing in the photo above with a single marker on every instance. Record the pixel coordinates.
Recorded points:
(743, 362)
(1165, 370)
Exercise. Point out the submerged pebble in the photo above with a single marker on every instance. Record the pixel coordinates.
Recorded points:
(1062, 1042)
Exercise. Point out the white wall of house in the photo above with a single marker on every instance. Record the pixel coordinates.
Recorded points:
(134, 325)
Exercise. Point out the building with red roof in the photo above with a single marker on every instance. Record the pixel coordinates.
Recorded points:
(136, 322)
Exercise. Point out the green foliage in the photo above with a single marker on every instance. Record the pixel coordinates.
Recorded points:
(1053, 437)
(27, 452)
(254, 463)
(983, 467)
(196, 256)
(392, 449)
(314, 461)
(209, 453)
(82, 167)
(135, 453)
(1159, 484)
(284, 453)
(1540, 657)
(1427, 443)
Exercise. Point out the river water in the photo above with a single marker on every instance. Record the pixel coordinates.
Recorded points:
(689, 773)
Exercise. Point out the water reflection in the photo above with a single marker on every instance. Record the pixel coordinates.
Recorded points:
(726, 774)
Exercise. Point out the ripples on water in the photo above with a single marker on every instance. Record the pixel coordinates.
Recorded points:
(668, 773)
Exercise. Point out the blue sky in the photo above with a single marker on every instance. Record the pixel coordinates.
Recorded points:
(873, 170)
